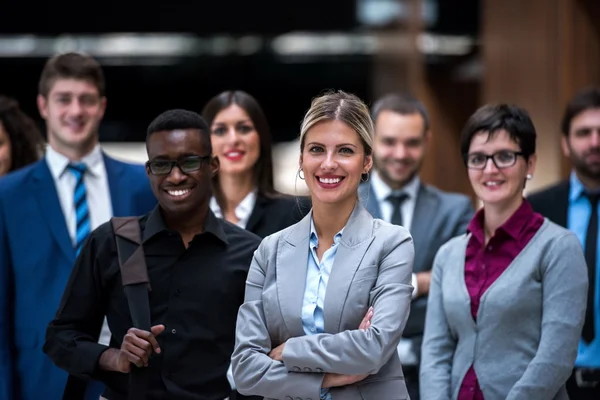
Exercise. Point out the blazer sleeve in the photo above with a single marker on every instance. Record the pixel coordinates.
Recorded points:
(564, 290)
(254, 372)
(357, 351)
(6, 306)
(439, 343)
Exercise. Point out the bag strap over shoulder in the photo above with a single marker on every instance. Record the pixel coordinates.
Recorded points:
(136, 284)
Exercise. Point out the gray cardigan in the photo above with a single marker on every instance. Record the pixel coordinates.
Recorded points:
(529, 322)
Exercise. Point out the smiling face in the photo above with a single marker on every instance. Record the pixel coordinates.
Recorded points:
(333, 160)
(399, 147)
(73, 110)
(495, 186)
(582, 144)
(180, 194)
(235, 140)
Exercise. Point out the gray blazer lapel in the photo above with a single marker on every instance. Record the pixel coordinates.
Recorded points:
(292, 263)
(422, 222)
(368, 199)
(356, 239)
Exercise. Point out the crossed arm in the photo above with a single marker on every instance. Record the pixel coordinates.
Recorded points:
(349, 353)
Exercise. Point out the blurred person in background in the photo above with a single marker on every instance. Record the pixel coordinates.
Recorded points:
(395, 194)
(21, 142)
(507, 299)
(243, 189)
(244, 193)
(292, 341)
(573, 204)
(47, 210)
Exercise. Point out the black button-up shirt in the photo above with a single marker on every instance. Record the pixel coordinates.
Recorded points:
(196, 293)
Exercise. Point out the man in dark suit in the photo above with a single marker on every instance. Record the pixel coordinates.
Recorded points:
(395, 193)
(574, 204)
(47, 211)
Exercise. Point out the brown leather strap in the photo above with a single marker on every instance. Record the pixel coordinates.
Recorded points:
(133, 269)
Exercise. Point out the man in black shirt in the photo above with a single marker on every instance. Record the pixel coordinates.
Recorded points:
(197, 266)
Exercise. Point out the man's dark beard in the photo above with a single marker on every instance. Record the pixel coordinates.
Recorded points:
(582, 168)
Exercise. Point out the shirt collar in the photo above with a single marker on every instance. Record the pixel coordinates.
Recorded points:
(242, 211)
(155, 224)
(314, 239)
(576, 188)
(383, 191)
(58, 163)
(513, 226)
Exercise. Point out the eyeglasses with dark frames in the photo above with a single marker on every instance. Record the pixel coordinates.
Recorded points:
(185, 164)
(501, 159)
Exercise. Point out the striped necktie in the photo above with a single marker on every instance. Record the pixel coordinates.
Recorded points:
(82, 224)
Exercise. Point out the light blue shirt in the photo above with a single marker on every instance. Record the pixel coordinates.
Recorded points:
(588, 354)
(317, 277)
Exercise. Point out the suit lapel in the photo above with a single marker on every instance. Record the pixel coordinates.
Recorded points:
(356, 239)
(368, 199)
(257, 213)
(47, 198)
(561, 204)
(292, 263)
(120, 192)
(426, 205)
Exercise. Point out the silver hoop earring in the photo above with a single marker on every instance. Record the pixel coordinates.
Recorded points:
(529, 177)
(364, 177)
(300, 174)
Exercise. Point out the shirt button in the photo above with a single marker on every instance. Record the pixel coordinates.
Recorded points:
(312, 329)
(174, 331)
(177, 292)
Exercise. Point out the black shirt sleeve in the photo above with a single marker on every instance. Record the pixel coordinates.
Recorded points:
(72, 337)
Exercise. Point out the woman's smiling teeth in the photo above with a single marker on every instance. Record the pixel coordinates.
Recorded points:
(329, 180)
(492, 183)
(178, 193)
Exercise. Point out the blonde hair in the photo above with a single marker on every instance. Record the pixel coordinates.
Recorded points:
(343, 107)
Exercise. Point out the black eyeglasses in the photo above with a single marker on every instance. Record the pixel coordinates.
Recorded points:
(185, 165)
(501, 159)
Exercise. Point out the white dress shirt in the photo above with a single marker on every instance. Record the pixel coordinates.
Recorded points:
(243, 211)
(97, 195)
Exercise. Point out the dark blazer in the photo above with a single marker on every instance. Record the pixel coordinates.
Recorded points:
(36, 259)
(272, 214)
(438, 217)
(552, 203)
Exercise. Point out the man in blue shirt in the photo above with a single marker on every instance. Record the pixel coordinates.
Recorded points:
(574, 204)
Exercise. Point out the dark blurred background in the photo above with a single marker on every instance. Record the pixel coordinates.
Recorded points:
(226, 45)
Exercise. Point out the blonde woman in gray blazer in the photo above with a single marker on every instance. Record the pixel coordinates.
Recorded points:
(507, 300)
(313, 285)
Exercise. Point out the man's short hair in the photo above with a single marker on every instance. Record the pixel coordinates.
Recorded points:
(584, 100)
(71, 66)
(178, 120)
(403, 104)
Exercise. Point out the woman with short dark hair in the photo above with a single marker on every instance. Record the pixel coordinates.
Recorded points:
(507, 299)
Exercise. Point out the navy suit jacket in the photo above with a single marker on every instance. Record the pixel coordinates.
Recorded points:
(36, 258)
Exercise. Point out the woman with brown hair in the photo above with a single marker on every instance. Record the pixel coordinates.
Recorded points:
(244, 193)
(21, 142)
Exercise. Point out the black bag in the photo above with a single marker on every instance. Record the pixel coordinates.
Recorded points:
(136, 284)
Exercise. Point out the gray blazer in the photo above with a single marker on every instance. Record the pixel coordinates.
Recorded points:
(439, 216)
(529, 322)
(372, 267)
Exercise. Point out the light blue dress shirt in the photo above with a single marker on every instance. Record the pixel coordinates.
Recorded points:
(317, 277)
(588, 354)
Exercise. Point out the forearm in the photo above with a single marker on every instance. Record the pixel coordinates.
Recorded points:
(254, 373)
(108, 360)
(72, 353)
